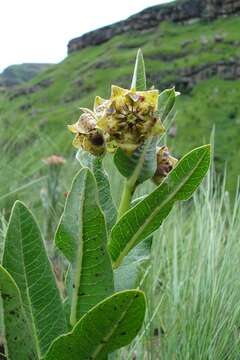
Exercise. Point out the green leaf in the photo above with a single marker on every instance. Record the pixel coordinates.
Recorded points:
(166, 102)
(26, 260)
(82, 237)
(111, 324)
(127, 275)
(20, 343)
(104, 190)
(139, 166)
(144, 218)
(67, 311)
(139, 75)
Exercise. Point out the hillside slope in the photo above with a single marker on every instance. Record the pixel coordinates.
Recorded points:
(202, 58)
(17, 74)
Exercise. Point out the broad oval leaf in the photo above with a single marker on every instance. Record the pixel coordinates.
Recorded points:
(20, 343)
(139, 166)
(111, 324)
(139, 74)
(82, 237)
(104, 189)
(25, 258)
(144, 218)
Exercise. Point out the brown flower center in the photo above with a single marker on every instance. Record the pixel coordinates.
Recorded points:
(97, 139)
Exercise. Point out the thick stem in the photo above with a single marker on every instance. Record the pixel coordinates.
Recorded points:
(126, 198)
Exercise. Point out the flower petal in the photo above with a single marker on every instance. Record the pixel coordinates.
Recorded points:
(73, 128)
(134, 96)
(98, 101)
(88, 111)
(150, 98)
(77, 141)
(118, 91)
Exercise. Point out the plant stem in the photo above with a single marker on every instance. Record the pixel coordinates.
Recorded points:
(126, 198)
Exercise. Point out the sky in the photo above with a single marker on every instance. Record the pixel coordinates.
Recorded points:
(38, 31)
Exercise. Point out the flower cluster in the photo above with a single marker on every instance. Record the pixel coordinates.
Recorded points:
(165, 163)
(124, 121)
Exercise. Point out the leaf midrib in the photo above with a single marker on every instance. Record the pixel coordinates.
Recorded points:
(111, 333)
(77, 269)
(25, 317)
(35, 336)
(171, 196)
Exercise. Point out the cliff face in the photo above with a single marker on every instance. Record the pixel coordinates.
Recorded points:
(178, 11)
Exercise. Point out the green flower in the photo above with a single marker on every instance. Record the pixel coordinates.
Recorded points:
(88, 137)
(128, 118)
(165, 163)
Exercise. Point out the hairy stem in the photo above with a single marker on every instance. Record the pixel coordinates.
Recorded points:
(126, 198)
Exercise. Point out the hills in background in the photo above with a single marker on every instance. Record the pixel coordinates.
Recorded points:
(17, 74)
(200, 55)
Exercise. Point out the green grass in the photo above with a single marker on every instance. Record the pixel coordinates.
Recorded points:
(192, 284)
(17, 74)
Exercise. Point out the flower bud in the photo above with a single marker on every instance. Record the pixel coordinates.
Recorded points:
(165, 163)
(88, 137)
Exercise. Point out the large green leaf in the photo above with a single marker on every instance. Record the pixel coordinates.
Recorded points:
(144, 218)
(20, 342)
(139, 75)
(104, 190)
(82, 237)
(111, 324)
(139, 166)
(127, 275)
(26, 260)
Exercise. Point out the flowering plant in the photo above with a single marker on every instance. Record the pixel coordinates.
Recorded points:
(103, 308)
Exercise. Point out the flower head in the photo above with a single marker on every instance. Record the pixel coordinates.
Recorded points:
(165, 163)
(128, 118)
(88, 136)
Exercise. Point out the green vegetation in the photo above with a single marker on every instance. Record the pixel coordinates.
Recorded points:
(193, 282)
(90, 319)
(18, 74)
(33, 125)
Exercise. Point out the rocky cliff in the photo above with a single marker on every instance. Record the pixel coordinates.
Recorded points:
(178, 11)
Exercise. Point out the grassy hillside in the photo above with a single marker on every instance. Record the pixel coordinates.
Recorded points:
(33, 117)
(17, 74)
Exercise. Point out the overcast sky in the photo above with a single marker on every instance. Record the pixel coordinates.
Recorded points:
(38, 31)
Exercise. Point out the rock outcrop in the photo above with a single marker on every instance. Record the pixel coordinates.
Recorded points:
(178, 11)
(187, 78)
